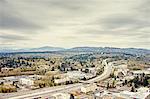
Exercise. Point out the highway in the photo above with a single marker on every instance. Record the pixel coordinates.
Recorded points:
(54, 90)
(33, 93)
(104, 75)
(42, 92)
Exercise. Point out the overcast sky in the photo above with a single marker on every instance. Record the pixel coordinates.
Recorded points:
(70, 23)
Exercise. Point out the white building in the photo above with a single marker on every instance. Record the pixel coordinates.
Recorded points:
(128, 78)
(61, 96)
(148, 69)
(75, 74)
(143, 89)
(78, 75)
(11, 78)
(62, 80)
(88, 88)
(140, 72)
(141, 94)
(26, 81)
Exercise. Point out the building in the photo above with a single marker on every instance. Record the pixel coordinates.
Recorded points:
(75, 74)
(78, 75)
(141, 94)
(121, 72)
(2, 81)
(92, 71)
(11, 79)
(26, 81)
(108, 96)
(128, 78)
(5, 69)
(104, 95)
(119, 83)
(140, 72)
(89, 88)
(122, 66)
(65, 67)
(118, 73)
(61, 96)
(44, 67)
(143, 89)
(62, 80)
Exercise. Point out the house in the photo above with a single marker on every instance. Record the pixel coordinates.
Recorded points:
(65, 67)
(140, 72)
(35, 77)
(119, 83)
(43, 67)
(2, 81)
(118, 73)
(5, 69)
(89, 88)
(121, 72)
(92, 71)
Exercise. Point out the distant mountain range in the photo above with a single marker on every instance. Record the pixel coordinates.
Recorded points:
(40, 49)
(111, 50)
(46, 48)
(80, 49)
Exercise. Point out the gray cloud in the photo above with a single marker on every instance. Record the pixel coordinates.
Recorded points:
(12, 20)
(143, 9)
(114, 22)
(16, 23)
(66, 4)
(75, 19)
(135, 19)
(2, 1)
(9, 37)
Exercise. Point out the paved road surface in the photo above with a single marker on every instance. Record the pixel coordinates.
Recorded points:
(40, 93)
(104, 75)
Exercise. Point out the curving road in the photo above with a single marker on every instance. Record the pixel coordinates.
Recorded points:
(47, 91)
(104, 75)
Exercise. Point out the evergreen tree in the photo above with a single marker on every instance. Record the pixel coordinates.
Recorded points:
(132, 89)
(145, 82)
